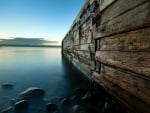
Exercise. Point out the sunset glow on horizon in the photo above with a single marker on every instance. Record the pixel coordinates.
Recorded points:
(48, 19)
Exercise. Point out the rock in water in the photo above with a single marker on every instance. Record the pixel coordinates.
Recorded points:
(65, 101)
(56, 112)
(51, 107)
(32, 92)
(21, 105)
(79, 91)
(86, 98)
(75, 99)
(107, 105)
(7, 85)
(7, 110)
(78, 109)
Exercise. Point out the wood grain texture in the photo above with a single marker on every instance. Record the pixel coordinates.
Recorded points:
(105, 3)
(130, 41)
(85, 54)
(119, 7)
(84, 47)
(137, 18)
(87, 47)
(121, 29)
(84, 68)
(130, 82)
(138, 62)
(130, 102)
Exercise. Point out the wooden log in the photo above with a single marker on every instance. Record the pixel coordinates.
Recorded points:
(130, 82)
(137, 18)
(138, 62)
(117, 8)
(131, 41)
(130, 102)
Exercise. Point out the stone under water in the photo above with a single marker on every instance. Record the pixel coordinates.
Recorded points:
(6, 85)
(32, 92)
(21, 105)
(7, 110)
(51, 107)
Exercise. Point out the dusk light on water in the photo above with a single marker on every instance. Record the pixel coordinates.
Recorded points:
(74, 56)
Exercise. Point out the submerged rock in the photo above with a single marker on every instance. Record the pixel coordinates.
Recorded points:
(79, 109)
(79, 91)
(65, 101)
(107, 106)
(86, 98)
(7, 85)
(76, 108)
(51, 107)
(32, 92)
(56, 112)
(7, 110)
(75, 99)
(21, 105)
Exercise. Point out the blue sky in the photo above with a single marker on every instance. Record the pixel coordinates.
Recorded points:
(48, 19)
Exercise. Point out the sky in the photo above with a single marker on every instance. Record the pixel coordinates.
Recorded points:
(48, 19)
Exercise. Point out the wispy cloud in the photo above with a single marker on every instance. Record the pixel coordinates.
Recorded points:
(28, 41)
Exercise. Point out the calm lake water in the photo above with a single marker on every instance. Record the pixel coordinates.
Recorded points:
(26, 67)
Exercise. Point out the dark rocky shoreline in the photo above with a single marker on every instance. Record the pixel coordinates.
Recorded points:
(94, 100)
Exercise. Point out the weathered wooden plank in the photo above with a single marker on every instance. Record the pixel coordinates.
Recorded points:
(130, 82)
(133, 19)
(86, 39)
(87, 47)
(98, 66)
(68, 56)
(85, 54)
(138, 62)
(76, 47)
(118, 7)
(84, 47)
(84, 68)
(76, 42)
(132, 103)
(130, 41)
(68, 47)
(86, 36)
(84, 58)
(105, 3)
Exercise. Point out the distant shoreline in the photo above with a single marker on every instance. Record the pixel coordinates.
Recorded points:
(5, 45)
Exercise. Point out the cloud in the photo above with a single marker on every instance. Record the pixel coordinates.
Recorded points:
(28, 41)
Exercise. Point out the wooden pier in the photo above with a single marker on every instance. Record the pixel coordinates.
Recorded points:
(109, 41)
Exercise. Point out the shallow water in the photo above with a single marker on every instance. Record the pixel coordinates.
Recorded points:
(45, 68)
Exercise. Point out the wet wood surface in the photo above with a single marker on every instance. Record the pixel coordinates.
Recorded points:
(132, 103)
(112, 39)
(118, 8)
(137, 40)
(138, 62)
(137, 18)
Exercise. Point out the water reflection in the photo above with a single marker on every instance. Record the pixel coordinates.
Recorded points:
(76, 78)
(26, 67)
